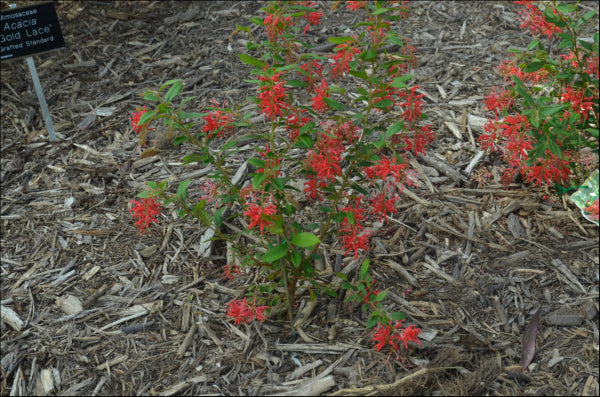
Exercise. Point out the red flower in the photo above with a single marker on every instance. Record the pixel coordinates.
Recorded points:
(412, 106)
(312, 188)
(217, 122)
(388, 335)
(384, 168)
(382, 205)
(271, 164)
(244, 312)
(318, 102)
(379, 31)
(272, 96)
(355, 5)
(593, 210)
(141, 129)
(229, 271)
(295, 121)
(313, 73)
(257, 215)
(313, 18)
(498, 100)
(579, 104)
(384, 94)
(547, 169)
(146, 210)
(325, 159)
(533, 19)
(275, 25)
(350, 232)
(344, 54)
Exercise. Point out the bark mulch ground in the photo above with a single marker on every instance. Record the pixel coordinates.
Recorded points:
(91, 307)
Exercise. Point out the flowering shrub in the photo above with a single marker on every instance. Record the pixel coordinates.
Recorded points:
(343, 148)
(548, 112)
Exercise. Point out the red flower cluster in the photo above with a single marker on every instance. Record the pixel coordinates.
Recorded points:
(140, 129)
(343, 55)
(272, 96)
(230, 271)
(394, 336)
(356, 5)
(146, 210)
(532, 18)
(272, 166)
(218, 122)
(314, 17)
(593, 210)
(243, 312)
(314, 73)
(579, 104)
(589, 64)
(318, 102)
(518, 134)
(351, 231)
(412, 105)
(295, 121)
(379, 31)
(275, 25)
(259, 215)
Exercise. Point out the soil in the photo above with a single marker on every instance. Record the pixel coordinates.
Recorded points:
(490, 273)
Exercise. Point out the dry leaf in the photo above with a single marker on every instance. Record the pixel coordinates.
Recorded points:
(151, 151)
(528, 341)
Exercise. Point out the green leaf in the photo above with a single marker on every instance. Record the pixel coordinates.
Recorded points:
(340, 40)
(218, 217)
(243, 28)
(380, 11)
(146, 117)
(593, 132)
(550, 110)
(364, 270)
(173, 91)
(332, 103)
(252, 61)
(342, 276)
(380, 296)
(397, 316)
(394, 129)
(384, 104)
(567, 43)
(229, 145)
(179, 140)
(257, 180)
(168, 83)
(369, 55)
(296, 83)
(305, 240)
(182, 189)
(554, 148)
(533, 45)
(533, 67)
(257, 21)
(150, 96)
(373, 321)
(296, 258)
(275, 253)
(361, 75)
(258, 163)
(399, 81)
(522, 90)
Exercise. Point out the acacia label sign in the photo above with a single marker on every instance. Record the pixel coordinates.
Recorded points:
(29, 30)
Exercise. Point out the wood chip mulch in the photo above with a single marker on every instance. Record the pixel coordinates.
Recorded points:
(90, 307)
